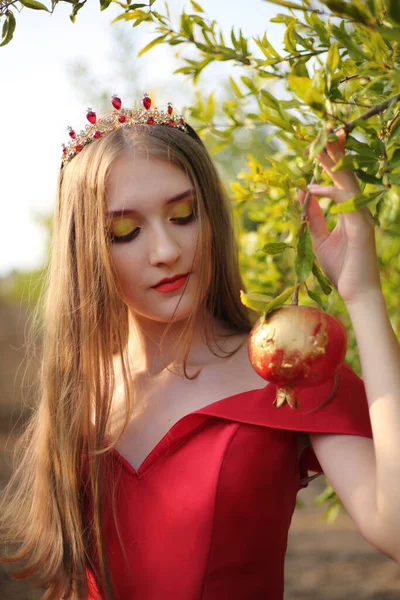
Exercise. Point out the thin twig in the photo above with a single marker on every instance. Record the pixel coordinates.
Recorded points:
(351, 103)
(375, 110)
(354, 77)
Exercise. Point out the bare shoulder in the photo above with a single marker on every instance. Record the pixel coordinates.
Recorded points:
(238, 369)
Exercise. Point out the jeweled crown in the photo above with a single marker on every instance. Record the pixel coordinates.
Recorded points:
(119, 118)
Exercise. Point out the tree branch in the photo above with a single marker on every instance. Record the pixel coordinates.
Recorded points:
(375, 110)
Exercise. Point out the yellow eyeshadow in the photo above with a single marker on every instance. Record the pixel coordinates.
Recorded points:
(124, 225)
(183, 210)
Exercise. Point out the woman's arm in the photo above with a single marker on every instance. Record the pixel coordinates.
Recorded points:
(365, 473)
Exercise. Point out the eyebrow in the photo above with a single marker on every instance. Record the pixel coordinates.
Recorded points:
(177, 198)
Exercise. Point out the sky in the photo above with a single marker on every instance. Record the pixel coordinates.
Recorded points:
(38, 98)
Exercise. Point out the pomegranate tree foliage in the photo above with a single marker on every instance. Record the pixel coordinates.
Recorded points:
(340, 58)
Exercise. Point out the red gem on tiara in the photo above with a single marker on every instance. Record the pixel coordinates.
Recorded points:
(78, 147)
(97, 134)
(171, 123)
(146, 101)
(122, 118)
(181, 121)
(91, 116)
(150, 121)
(72, 133)
(170, 109)
(116, 102)
(64, 150)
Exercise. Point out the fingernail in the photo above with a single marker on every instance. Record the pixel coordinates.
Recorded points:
(332, 130)
(325, 150)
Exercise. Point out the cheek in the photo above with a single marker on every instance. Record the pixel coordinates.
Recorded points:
(127, 273)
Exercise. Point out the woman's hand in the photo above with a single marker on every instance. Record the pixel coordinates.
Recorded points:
(348, 254)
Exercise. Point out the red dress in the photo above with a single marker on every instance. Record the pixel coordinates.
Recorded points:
(207, 515)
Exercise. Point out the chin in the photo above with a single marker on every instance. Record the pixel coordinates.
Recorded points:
(182, 313)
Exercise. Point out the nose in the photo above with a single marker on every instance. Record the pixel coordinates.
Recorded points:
(164, 247)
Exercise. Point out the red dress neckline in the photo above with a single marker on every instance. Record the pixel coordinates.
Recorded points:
(161, 443)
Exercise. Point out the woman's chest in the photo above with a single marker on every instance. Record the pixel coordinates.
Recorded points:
(169, 398)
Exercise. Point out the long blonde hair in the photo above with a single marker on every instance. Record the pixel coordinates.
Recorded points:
(58, 459)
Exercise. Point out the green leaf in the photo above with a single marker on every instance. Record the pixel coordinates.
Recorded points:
(219, 146)
(322, 279)
(289, 38)
(269, 100)
(355, 203)
(34, 5)
(299, 68)
(328, 493)
(394, 162)
(235, 88)
(318, 144)
(389, 33)
(255, 301)
(266, 48)
(395, 179)
(332, 512)
(187, 25)
(355, 51)
(185, 70)
(393, 10)
(279, 300)
(286, 4)
(150, 45)
(210, 108)
(76, 8)
(275, 120)
(196, 6)
(8, 28)
(275, 247)
(354, 10)
(130, 16)
(321, 28)
(316, 298)
(333, 58)
(367, 177)
(394, 130)
(145, 17)
(355, 162)
(305, 256)
(302, 87)
(249, 83)
(235, 43)
(104, 4)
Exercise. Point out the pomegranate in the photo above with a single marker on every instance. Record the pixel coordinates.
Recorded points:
(296, 347)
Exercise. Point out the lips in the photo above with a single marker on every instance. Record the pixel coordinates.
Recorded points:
(170, 280)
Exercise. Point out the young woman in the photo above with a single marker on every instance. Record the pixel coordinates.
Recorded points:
(156, 465)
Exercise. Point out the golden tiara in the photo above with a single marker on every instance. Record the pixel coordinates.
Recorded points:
(119, 118)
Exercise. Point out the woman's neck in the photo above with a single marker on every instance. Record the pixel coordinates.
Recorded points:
(144, 346)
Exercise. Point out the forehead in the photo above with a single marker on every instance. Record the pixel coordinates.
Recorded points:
(136, 177)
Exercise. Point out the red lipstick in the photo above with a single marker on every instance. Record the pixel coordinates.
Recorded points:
(171, 283)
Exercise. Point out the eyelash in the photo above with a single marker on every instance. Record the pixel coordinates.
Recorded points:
(131, 235)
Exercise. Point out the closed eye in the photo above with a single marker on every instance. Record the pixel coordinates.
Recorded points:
(117, 239)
